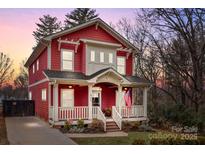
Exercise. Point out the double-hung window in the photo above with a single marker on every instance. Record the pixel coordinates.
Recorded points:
(110, 57)
(121, 65)
(92, 56)
(30, 95)
(67, 98)
(102, 57)
(43, 94)
(67, 60)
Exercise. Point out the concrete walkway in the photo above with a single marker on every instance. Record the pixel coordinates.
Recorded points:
(109, 134)
(33, 131)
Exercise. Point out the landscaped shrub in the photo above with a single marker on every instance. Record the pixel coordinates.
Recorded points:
(80, 123)
(138, 142)
(108, 112)
(67, 125)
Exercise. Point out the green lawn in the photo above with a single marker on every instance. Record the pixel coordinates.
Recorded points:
(112, 140)
(120, 140)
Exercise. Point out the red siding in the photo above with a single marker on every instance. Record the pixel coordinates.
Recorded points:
(79, 59)
(129, 60)
(38, 75)
(41, 107)
(80, 94)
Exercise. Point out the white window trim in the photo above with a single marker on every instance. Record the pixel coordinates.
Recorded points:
(121, 65)
(92, 51)
(44, 98)
(37, 65)
(72, 96)
(67, 50)
(102, 57)
(109, 58)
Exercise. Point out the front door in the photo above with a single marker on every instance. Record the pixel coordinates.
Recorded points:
(96, 96)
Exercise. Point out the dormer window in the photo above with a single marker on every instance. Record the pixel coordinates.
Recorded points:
(102, 57)
(67, 60)
(121, 65)
(92, 56)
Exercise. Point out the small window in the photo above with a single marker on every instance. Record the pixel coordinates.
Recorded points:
(111, 58)
(67, 97)
(37, 65)
(92, 56)
(43, 95)
(102, 57)
(67, 60)
(30, 95)
(33, 68)
(121, 65)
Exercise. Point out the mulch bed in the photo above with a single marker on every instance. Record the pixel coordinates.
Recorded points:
(3, 133)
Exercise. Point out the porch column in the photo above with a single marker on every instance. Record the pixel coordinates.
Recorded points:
(145, 101)
(55, 101)
(49, 102)
(90, 101)
(119, 99)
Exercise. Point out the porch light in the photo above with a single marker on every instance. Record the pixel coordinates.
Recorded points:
(70, 87)
(125, 89)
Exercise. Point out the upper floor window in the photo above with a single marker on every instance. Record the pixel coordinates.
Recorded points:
(110, 57)
(43, 94)
(121, 65)
(67, 60)
(33, 68)
(92, 56)
(37, 65)
(102, 57)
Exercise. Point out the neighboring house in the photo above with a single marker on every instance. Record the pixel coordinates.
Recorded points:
(79, 72)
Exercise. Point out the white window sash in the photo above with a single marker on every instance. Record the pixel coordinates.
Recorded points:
(69, 100)
(121, 68)
(92, 56)
(102, 55)
(110, 57)
(67, 60)
(43, 95)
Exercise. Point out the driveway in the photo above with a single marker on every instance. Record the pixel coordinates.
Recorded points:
(33, 131)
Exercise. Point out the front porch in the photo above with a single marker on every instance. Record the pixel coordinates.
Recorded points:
(87, 99)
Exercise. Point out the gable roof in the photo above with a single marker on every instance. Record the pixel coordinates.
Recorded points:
(41, 45)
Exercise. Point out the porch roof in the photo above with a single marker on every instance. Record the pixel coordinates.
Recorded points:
(58, 75)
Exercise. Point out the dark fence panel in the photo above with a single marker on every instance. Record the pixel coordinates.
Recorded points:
(18, 108)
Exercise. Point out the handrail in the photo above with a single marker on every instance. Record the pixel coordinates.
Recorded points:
(117, 117)
(101, 116)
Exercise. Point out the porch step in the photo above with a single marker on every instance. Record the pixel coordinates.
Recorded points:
(111, 126)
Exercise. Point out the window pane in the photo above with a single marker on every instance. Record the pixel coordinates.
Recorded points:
(37, 65)
(110, 58)
(67, 65)
(121, 69)
(101, 57)
(67, 98)
(92, 56)
(43, 94)
(30, 95)
(33, 68)
(121, 61)
(67, 55)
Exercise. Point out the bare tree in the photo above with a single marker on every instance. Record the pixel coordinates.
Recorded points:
(6, 70)
(180, 41)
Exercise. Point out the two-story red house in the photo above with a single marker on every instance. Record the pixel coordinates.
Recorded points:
(79, 72)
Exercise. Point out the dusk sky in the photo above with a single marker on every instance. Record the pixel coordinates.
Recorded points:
(17, 25)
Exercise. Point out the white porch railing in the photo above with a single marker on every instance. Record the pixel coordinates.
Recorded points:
(134, 111)
(117, 117)
(51, 114)
(78, 112)
(94, 111)
(101, 116)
